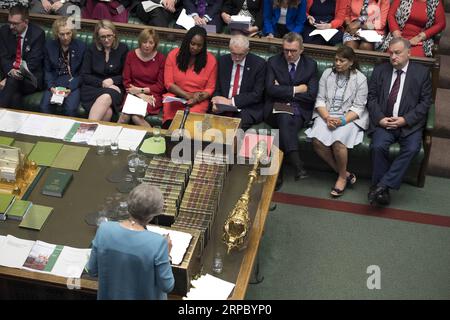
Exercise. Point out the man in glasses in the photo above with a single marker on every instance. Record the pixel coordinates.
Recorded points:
(21, 54)
(240, 83)
(292, 83)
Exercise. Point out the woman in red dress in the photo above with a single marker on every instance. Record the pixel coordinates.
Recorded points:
(418, 21)
(143, 75)
(112, 10)
(190, 73)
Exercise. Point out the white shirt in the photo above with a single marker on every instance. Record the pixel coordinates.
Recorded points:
(283, 14)
(400, 91)
(233, 73)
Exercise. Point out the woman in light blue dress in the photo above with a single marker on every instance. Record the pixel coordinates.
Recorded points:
(340, 116)
(129, 261)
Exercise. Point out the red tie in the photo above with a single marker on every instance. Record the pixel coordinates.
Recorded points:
(16, 64)
(236, 80)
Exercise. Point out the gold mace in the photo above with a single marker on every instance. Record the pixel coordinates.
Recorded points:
(238, 222)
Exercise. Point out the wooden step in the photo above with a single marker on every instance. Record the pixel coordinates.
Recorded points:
(439, 164)
(442, 118)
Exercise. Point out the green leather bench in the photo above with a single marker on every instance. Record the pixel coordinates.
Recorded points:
(359, 160)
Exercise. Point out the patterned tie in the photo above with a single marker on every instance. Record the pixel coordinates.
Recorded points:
(237, 75)
(201, 7)
(16, 64)
(292, 71)
(393, 94)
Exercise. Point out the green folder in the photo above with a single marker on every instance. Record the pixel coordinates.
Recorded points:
(70, 157)
(18, 210)
(36, 217)
(25, 147)
(5, 201)
(44, 153)
(6, 140)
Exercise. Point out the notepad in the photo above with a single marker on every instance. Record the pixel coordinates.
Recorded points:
(36, 217)
(70, 157)
(18, 210)
(44, 153)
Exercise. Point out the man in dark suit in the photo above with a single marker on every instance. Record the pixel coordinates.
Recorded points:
(160, 16)
(20, 42)
(205, 12)
(398, 102)
(292, 80)
(240, 82)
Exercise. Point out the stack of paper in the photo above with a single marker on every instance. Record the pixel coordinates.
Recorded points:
(208, 287)
(327, 34)
(15, 251)
(43, 257)
(180, 242)
(12, 121)
(45, 126)
(81, 132)
(185, 21)
(130, 139)
(104, 133)
(370, 35)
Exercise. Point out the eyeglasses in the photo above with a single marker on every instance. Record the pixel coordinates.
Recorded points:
(290, 50)
(106, 36)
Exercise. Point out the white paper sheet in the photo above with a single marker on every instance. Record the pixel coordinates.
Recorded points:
(130, 138)
(150, 5)
(174, 99)
(104, 132)
(208, 287)
(180, 242)
(71, 262)
(327, 34)
(12, 121)
(370, 35)
(135, 105)
(185, 21)
(14, 251)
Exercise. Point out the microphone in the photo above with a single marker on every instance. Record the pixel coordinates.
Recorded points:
(187, 110)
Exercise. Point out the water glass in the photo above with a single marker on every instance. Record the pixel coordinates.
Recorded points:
(114, 147)
(156, 133)
(217, 266)
(101, 147)
(133, 160)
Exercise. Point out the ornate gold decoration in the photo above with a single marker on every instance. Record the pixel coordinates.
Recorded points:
(238, 222)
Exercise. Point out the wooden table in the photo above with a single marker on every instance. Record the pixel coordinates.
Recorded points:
(89, 188)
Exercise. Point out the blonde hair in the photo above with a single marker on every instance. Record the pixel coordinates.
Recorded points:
(63, 22)
(147, 34)
(105, 24)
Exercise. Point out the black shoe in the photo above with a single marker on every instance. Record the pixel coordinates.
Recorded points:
(377, 194)
(279, 183)
(384, 198)
(300, 174)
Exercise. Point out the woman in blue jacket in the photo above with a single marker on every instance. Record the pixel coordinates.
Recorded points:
(62, 64)
(283, 16)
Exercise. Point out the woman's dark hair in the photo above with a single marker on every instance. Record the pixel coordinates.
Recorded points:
(348, 53)
(184, 54)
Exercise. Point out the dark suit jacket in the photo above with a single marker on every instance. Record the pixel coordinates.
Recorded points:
(250, 95)
(213, 7)
(232, 7)
(415, 101)
(52, 51)
(306, 73)
(32, 50)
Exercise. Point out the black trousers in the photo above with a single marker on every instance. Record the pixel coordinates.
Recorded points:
(158, 17)
(14, 90)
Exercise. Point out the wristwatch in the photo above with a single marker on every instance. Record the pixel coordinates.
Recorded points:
(62, 1)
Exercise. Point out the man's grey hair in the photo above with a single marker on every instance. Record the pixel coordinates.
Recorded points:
(405, 42)
(145, 202)
(240, 41)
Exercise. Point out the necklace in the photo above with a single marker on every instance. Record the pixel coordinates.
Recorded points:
(341, 80)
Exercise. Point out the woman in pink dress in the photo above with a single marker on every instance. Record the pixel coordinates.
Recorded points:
(190, 73)
(418, 21)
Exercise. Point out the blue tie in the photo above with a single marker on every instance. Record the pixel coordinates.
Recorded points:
(292, 71)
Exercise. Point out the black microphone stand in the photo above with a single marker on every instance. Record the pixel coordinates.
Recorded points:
(187, 110)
